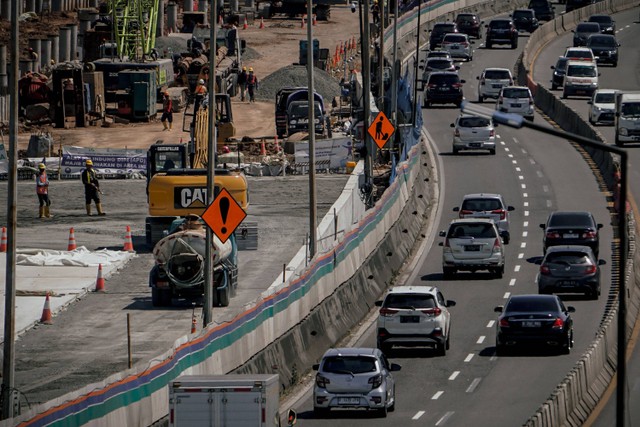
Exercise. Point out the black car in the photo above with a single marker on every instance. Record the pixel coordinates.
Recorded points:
(469, 24)
(438, 31)
(525, 20)
(571, 228)
(607, 24)
(570, 269)
(559, 70)
(543, 9)
(577, 4)
(437, 64)
(534, 319)
(583, 31)
(501, 31)
(604, 47)
(443, 87)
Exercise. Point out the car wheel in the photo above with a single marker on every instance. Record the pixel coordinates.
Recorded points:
(499, 272)
(320, 412)
(554, 86)
(615, 64)
(568, 343)
(382, 413)
(489, 45)
(392, 407)
(514, 45)
(618, 142)
(492, 151)
(470, 58)
(441, 349)
(448, 272)
(506, 239)
(448, 342)
(500, 350)
(564, 95)
(480, 99)
(455, 151)
(591, 121)
(160, 297)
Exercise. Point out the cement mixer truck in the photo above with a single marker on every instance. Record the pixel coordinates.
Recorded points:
(179, 270)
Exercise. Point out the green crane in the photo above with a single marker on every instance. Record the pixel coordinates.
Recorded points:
(134, 26)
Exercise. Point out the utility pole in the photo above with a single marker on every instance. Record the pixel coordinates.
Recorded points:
(366, 81)
(12, 196)
(381, 55)
(312, 135)
(417, 61)
(394, 75)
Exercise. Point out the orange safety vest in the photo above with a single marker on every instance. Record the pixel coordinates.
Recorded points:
(42, 183)
(201, 90)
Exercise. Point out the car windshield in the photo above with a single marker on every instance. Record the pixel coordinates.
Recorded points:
(579, 54)
(515, 93)
(351, 364)
(601, 19)
(481, 205)
(497, 75)
(630, 109)
(561, 64)
(302, 110)
(533, 305)
(567, 258)
(575, 219)
(522, 14)
(438, 54)
(479, 231)
(474, 122)
(500, 25)
(442, 79)
(599, 41)
(588, 27)
(444, 28)
(466, 19)
(416, 301)
(439, 64)
(605, 98)
(455, 38)
(581, 71)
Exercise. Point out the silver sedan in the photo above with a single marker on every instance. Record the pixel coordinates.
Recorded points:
(473, 133)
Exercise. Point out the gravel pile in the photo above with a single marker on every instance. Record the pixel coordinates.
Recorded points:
(294, 76)
(175, 44)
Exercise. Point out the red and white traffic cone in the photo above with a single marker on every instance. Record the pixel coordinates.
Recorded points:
(3, 242)
(277, 145)
(46, 312)
(261, 22)
(100, 280)
(302, 21)
(128, 242)
(71, 246)
(220, 21)
(245, 25)
(313, 21)
(263, 149)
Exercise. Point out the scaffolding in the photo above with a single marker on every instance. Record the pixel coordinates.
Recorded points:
(134, 27)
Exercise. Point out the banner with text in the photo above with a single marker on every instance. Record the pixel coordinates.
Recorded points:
(336, 150)
(105, 160)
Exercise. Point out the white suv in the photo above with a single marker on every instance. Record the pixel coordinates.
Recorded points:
(603, 107)
(472, 244)
(414, 316)
(516, 99)
(581, 78)
(491, 81)
(487, 205)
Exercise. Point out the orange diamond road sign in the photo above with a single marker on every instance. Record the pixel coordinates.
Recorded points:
(381, 129)
(224, 215)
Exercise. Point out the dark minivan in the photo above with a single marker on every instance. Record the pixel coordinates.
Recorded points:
(543, 9)
(443, 87)
(469, 24)
(438, 32)
(577, 4)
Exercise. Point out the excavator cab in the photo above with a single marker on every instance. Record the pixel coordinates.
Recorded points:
(194, 120)
(163, 157)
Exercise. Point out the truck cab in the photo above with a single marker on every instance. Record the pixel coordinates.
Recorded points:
(627, 118)
(281, 109)
(298, 113)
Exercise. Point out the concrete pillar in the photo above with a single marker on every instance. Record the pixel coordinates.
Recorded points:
(73, 42)
(188, 6)
(234, 6)
(65, 44)
(5, 9)
(35, 45)
(45, 52)
(55, 48)
(172, 17)
(85, 25)
(160, 21)
(202, 7)
(31, 6)
(25, 67)
(250, 3)
(38, 6)
(4, 79)
(93, 3)
(56, 5)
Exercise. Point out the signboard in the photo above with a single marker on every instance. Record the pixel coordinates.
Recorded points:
(105, 161)
(381, 129)
(338, 151)
(224, 215)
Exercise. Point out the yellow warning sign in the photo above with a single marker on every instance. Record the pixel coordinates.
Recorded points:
(381, 129)
(224, 215)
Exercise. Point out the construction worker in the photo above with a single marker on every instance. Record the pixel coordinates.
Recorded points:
(91, 188)
(252, 85)
(375, 12)
(42, 190)
(200, 92)
(167, 111)
(242, 82)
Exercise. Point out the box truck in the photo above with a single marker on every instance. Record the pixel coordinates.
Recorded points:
(627, 124)
(224, 401)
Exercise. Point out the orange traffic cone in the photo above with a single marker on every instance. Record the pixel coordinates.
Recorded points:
(313, 21)
(46, 312)
(261, 22)
(72, 241)
(302, 21)
(128, 243)
(263, 149)
(220, 21)
(3, 242)
(245, 25)
(193, 324)
(100, 280)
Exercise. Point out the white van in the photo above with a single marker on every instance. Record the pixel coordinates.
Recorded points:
(627, 117)
(581, 78)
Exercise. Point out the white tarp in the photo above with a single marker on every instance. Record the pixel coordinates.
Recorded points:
(80, 257)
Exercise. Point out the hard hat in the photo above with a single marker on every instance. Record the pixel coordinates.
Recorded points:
(244, 68)
(200, 82)
(251, 69)
(226, 149)
(42, 166)
(89, 162)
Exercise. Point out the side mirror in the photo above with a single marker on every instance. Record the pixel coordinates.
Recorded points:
(450, 303)
(498, 309)
(601, 262)
(378, 303)
(599, 74)
(477, 77)
(463, 81)
(542, 226)
(456, 209)
(599, 226)
(395, 367)
(511, 208)
(452, 125)
(553, 67)
(590, 102)
(315, 366)
(571, 309)
(619, 45)
(442, 233)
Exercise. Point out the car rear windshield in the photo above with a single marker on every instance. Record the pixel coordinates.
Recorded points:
(532, 305)
(479, 231)
(444, 28)
(606, 98)
(579, 54)
(440, 64)
(501, 25)
(481, 205)
(601, 41)
(440, 79)
(497, 75)
(349, 364)
(573, 219)
(567, 258)
(588, 27)
(581, 71)
(630, 109)
(601, 19)
(466, 19)
(474, 122)
(522, 14)
(515, 93)
(409, 301)
(455, 38)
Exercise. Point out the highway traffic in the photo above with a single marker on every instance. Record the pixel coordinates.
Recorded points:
(536, 174)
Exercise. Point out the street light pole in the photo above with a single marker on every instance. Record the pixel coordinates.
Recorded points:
(516, 121)
(417, 61)
(394, 75)
(312, 136)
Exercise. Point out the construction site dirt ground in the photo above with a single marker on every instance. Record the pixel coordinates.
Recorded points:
(276, 45)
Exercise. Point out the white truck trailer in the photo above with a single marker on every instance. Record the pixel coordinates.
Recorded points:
(224, 401)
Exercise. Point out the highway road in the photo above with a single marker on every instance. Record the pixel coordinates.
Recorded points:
(536, 174)
(623, 77)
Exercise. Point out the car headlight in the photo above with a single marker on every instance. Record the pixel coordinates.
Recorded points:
(316, 121)
(594, 83)
(624, 131)
(293, 122)
(597, 109)
(612, 52)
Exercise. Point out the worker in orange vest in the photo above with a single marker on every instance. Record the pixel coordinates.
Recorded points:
(42, 190)
(200, 92)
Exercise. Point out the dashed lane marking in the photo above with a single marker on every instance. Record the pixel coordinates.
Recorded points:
(518, 169)
(540, 174)
(454, 375)
(512, 282)
(481, 339)
(418, 415)
(491, 323)
(526, 204)
(506, 149)
(520, 256)
(516, 268)
(523, 245)
(444, 418)
(545, 188)
(520, 177)
(468, 358)
(506, 295)
(525, 233)
(526, 213)
(515, 162)
(510, 155)
(548, 203)
(437, 395)
(473, 385)
(525, 224)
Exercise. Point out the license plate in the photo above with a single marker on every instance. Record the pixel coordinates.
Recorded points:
(580, 92)
(568, 283)
(516, 105)
(409, 319)
(443, 89)
(530, 324)
(455, 46)
(472, 248)
(496, 86)
(348, 400)
(475, 144)
(570, 236)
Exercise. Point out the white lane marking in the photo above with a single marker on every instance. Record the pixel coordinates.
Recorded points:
(526, 204)
(502, 142)
(518, 169)
(523, 186)
(444, 418)
(525, 224)
(480, 339)
(473, 385)
(540, 174)
(526, 213)
(516, 268)
(525, 233)
(469, 357)
(627, 26)
(523, 245)
(520, 177)
(437, 395)
(533, 162)
(524, 151)
(515, 140)
(454, 375)
(548, 203)
(510, 155)
(512, 282)
(491, 323)
(506, 295)
(525, 194)
(493, 358)
(515, 162)
(545, 188)
(418, 415)
(506, 149)
(520, 256)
